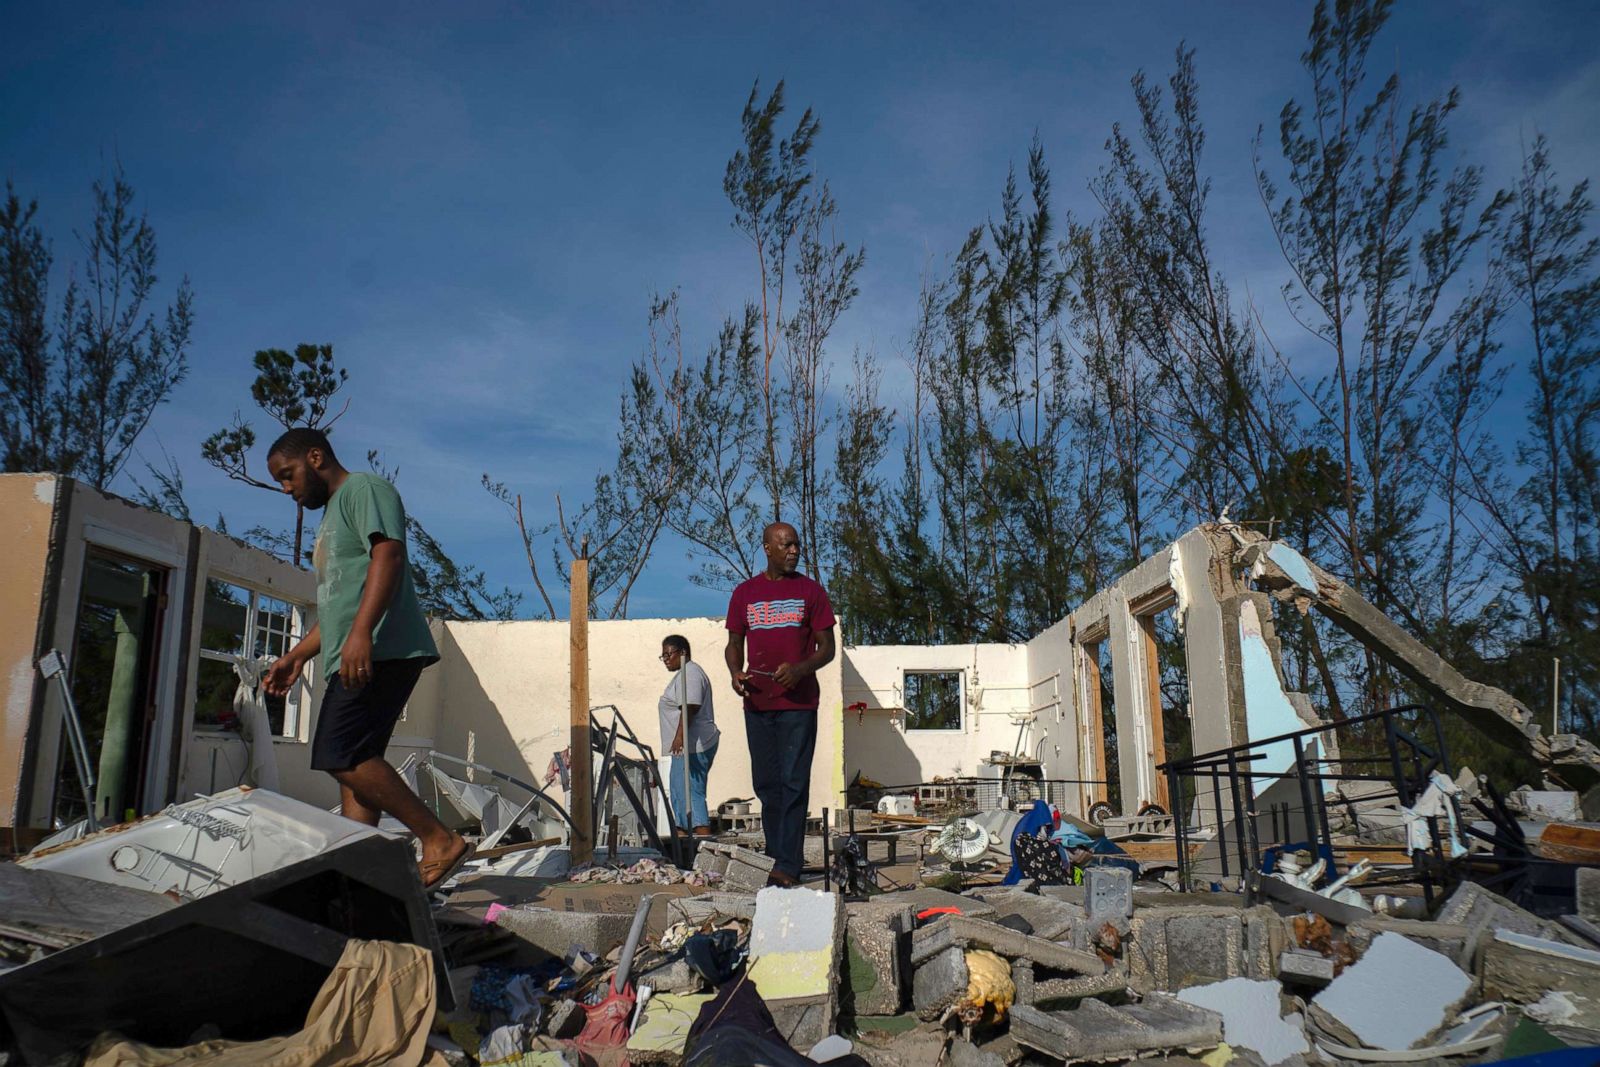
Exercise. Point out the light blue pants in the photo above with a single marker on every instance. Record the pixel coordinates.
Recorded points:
(699, 769)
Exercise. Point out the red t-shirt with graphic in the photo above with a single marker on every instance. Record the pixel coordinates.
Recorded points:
(779, 620)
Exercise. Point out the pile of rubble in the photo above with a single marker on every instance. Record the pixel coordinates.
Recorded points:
(134, 945)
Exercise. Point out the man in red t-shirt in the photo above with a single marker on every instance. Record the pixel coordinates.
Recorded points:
(785, 623)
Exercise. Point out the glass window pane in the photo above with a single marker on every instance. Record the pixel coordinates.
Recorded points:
(227, 612)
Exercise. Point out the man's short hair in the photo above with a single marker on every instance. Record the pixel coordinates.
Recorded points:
(677, 641)
(293, 444)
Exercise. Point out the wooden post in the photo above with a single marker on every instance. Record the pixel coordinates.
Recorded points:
(581, 850)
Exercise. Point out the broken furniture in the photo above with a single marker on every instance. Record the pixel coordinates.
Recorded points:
(1221, 788)
(282, 930)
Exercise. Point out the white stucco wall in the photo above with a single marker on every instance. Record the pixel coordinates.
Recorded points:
(1053, 696)
(882, 746)
(500, 696)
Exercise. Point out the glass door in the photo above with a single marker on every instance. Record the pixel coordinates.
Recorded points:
(112, 669)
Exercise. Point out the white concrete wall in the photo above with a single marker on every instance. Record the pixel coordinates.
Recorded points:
(500, 697)
(1053, 697)
(883, 747)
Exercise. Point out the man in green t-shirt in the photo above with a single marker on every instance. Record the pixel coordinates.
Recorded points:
(372, 635)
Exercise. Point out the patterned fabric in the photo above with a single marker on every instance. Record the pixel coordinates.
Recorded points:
(1040, 859)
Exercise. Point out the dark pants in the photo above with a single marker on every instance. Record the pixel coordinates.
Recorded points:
(781, 746)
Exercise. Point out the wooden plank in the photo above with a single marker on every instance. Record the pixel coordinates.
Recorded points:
(582, 805)
(1570, 842)
(1158, 731)
(506, 850)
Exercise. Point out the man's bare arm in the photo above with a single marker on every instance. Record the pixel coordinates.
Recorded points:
(790, 675)
(734, 655)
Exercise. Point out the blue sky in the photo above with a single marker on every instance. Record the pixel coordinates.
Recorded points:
(474, 205)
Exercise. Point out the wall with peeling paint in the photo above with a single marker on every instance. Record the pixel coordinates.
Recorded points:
(27, 503)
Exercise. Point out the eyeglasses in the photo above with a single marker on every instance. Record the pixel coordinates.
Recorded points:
(669, 654)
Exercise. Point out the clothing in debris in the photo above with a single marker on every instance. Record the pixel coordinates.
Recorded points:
(375, 1007)
(364, 505)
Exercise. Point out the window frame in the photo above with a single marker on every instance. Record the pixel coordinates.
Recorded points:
(294, 702)
(960, 676)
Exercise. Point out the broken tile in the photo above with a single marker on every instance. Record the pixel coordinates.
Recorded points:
(1392, 998)
(1252, 1017)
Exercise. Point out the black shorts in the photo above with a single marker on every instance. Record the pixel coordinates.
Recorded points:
(354, 725)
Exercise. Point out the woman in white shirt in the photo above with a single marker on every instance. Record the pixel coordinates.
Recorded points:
(690, 691)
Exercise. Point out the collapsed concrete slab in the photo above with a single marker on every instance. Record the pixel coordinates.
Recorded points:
(1050, 918)
(964, 932)
(1252, 1017)
(554, 932)
(708, 907)
(795, 942)
(1523, 970)
(1482, 912)
(1455, 942)
(1393, 998)
(1497, 714)
(1096, 1031)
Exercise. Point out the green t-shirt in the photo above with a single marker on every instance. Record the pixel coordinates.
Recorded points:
(365, 505)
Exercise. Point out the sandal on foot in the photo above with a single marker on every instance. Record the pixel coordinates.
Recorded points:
(437, 872)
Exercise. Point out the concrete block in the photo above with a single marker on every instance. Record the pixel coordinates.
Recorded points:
(742, 870)
(565, 1019)
(1173, 948)
(1252, 1017)
(966, 1054)
(1523, 969)
(1394, 997)
(1095, 1031)
(674, 976)
(964, 932)
(878, 944)
(795, 943)
(1588, 885)
(804, 1021)
(1552, 805)
(1305, 966)
(557, 931)
(1051, 919)
(939, 982)
(1110, 895)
